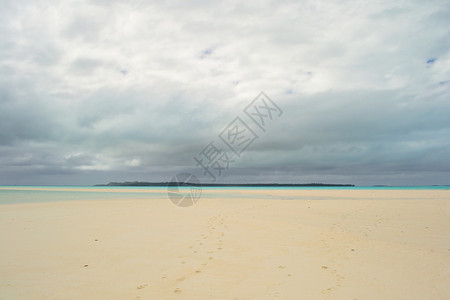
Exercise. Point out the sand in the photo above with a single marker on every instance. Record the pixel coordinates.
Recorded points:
(317, 244)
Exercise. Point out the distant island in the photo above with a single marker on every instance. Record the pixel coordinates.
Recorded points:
(139, 183)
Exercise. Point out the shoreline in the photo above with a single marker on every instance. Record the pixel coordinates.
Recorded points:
(240, 244)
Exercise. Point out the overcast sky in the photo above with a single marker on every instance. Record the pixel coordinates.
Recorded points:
(98, 91)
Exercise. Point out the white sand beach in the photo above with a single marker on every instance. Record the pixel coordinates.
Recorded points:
(245, 244)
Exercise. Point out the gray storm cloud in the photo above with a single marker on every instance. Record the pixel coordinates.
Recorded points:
(99, 91)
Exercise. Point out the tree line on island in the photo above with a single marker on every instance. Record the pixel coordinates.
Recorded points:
(172, 183)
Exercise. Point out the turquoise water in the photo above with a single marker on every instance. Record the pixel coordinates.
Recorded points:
(8, 195)
(51, 194)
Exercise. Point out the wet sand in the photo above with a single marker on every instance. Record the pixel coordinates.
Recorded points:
(233, 244)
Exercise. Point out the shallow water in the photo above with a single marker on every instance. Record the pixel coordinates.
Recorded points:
(37, 194)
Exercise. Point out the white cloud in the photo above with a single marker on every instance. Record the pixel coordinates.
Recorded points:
(97, 76)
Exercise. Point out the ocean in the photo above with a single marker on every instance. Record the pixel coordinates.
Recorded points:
(37, 194)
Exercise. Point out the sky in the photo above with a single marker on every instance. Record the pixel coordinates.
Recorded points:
(97, 91)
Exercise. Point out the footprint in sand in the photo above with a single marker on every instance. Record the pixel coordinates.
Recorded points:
(177, 290)
(140, 287)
